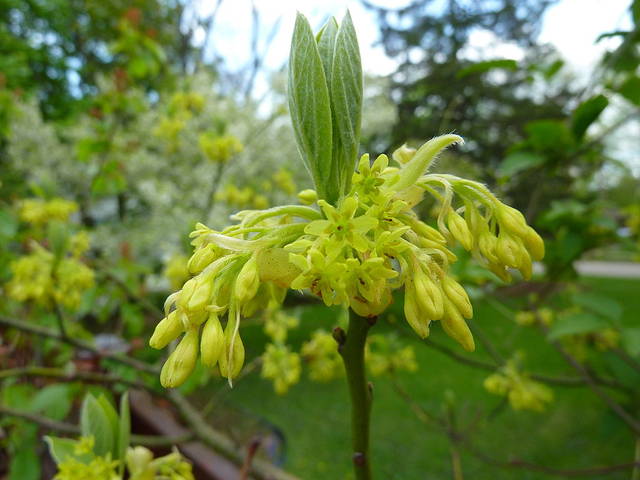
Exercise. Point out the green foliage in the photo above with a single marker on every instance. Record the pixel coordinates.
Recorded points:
(587, 113)
(325, 102)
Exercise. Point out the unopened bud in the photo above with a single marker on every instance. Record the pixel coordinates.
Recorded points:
(248, 281)
(403, 154)
(459, 229)
(507, 250)
(202, 292)
(308, 196)
(230, 362)
(412, 313)
(274, 266)
(138, 459)
(534, 244)
(512, 220)
(201, 259)
(181, 362)
(429, 296)
(167, 330)
(456, 327)
(458, 296)
(212, 341)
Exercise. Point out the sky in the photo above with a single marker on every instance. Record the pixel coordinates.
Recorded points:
(571, 25)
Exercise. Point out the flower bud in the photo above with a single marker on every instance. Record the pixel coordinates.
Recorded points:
(181, 362)
(403, 154)
(429, 296)
(524, 264)
(308, 196)
(428, 232)
(412, 313)
(456, 327)
(185, 294)
(459, 229)
(138, 459)
(248, 281)
(511, 220)
(230, 362)
(487, 243)
(212, 341)
(202, 292)
(534, 244)
(201, 259)
(507, 250)
(458, 296)
(167, 330)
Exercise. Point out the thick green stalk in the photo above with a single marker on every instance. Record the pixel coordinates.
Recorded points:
(351, 349)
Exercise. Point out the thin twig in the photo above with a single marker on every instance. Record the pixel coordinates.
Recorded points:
(49, 333)
(68, 428)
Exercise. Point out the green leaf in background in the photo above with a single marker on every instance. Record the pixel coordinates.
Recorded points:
(310, 109)
(519, 161)
(576, 323)
(53, 400)
(587, 113)
(487, 65)
(631, 340)
(8, 225)
(25, 464)
(62, 448)
(549, 136)
(346, 103)
(124, 430)
(94, 421)
(603, 306)
(630, 89)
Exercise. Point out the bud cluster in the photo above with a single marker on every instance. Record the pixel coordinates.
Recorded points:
(522, 392)
(354, 254)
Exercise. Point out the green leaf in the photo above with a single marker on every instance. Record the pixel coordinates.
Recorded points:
(25, 464)
(604, 306)
(519, 161)
(587, 113)
(94, 421)
(549, 136)
(53, 400)
(576, 323)
(310, 109)
(346, 103)
(326, 40)
(630, 89)
(631, 340)
(63, 448)
(485, 66)
(124, 430)
(8, 224)
(114, 421)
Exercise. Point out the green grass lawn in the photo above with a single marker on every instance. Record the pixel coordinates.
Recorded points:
(575, 432)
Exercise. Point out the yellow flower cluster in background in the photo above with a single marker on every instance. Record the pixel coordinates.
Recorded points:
(39, 212)
(42, 278)
(219, 148)
(522, 392)
(385, 354)
(281, 366)
(322, 357)
(242, 197)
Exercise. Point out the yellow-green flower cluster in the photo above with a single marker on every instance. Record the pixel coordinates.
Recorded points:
(219, 148)
(284, 181)
(354, 254)
(43, 278)
(385, 354)
(278, 323)
(98, 468)
(527, 318)
(241, 197)
(281, 366)
(322, 357)
(142, 466)
(39, 212)
(522, 392)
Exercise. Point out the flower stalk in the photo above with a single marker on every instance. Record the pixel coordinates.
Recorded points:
(351, 347)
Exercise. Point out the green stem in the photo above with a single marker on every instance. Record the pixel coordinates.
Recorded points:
(351, 349)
